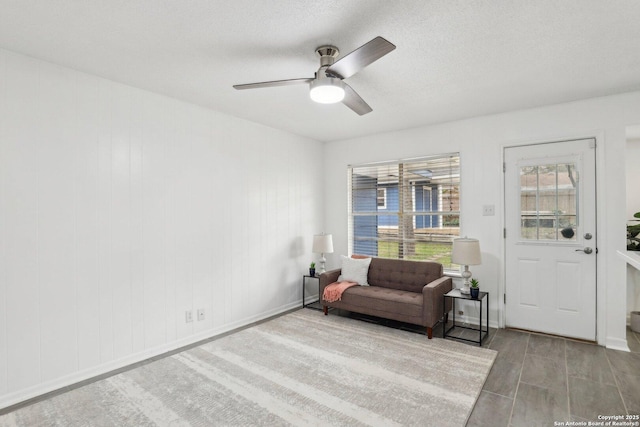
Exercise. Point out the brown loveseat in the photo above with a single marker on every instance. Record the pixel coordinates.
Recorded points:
(407, 291)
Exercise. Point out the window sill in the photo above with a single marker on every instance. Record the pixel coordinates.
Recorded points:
(454, 274)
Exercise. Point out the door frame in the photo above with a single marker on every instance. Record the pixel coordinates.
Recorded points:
(601, 270)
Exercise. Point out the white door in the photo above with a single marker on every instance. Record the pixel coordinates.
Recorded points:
(550, 218)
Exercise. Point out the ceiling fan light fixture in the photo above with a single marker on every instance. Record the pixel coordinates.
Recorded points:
(327, 90)
(327, 86)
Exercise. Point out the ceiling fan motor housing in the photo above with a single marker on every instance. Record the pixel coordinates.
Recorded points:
(328, 55)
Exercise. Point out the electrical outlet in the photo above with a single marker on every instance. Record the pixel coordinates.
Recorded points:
(188, 316)
(200, 314)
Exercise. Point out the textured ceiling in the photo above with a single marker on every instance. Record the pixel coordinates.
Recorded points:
(454, 59)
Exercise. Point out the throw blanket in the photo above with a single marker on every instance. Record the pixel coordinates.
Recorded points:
(333, 292)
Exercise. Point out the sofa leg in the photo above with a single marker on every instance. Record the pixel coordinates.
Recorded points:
(429, 332)
(325, 310)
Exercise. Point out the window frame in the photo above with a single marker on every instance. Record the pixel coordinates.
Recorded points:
(384, 198)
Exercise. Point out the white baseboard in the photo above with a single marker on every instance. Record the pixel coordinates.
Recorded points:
(473, 321)
(309, 300)
(617, 344)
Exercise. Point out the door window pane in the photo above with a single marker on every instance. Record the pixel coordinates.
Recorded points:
(549, 202)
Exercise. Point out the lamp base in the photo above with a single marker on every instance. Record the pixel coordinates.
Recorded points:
(323, 261)
(466, 275)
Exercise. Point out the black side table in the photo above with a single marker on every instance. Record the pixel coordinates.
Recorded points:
(315, 304)
(454, 295)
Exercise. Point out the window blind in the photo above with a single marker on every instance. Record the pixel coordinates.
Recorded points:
(407, 209)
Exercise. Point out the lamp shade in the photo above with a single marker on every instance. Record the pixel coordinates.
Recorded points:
(466, 252)
(322, 244)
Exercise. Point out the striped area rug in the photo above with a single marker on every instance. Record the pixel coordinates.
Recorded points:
(303, 368)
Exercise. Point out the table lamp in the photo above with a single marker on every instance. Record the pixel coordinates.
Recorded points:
(466, 252)
(322, 244)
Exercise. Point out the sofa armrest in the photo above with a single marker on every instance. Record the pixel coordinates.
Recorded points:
(433, 295)
(327, 278)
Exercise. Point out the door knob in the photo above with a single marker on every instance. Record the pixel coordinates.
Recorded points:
(586, 250)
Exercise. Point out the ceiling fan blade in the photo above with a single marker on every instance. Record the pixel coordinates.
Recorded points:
(353, 101)
(273, 83)
(360, 58)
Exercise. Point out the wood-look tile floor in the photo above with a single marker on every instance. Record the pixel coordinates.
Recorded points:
(539, 380)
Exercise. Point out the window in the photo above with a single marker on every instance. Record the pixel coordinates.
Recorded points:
(382, 198)
(407, 209)
(548, 202)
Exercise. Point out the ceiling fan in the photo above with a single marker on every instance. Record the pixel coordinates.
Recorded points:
(328, 87)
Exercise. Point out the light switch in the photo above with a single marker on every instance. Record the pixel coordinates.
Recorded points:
(488, 210)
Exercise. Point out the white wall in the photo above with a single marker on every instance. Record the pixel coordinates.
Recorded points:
(121, 209)
(480, 142)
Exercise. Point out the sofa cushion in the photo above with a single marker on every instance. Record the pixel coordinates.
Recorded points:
(355, 270)
(405, 275)
(385, 300)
